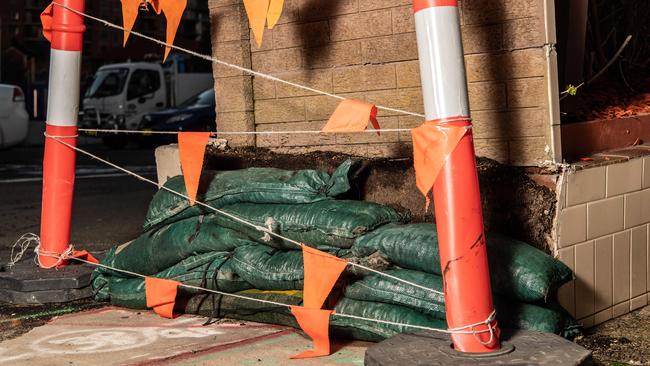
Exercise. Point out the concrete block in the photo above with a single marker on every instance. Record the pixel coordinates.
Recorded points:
(408, 74)
(168, 163)
(528, 92)
(334, 55)
(523, 33)
(281, 60)
(505, 66)
(364, 78)
(393, 48)
(482, 38)
(403, 19)
(487, 96)
(301, 34)
(363, 25)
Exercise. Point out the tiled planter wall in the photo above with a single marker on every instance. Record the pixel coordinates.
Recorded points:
(603, 232)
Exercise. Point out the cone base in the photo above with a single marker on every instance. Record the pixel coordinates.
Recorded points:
(526, 347)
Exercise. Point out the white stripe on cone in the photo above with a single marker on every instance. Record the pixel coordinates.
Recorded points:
(63, 94)
(444, 86)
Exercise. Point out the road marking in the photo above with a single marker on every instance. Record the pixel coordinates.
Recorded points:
(34, 173)
(39, 179)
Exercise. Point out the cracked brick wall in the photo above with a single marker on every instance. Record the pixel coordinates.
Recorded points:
(366, 49)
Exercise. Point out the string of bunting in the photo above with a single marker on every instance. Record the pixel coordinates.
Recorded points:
(223, 63)
(322, 270)
(161, 297)
(433, 143)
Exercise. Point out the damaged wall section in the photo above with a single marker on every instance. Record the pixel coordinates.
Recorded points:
(514, 203)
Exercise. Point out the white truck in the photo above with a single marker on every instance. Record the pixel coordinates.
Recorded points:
(119, 95)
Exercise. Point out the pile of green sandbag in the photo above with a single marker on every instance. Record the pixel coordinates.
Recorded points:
(200, 247)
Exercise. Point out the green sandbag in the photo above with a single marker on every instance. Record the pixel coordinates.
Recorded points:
(517, 270)
(267, 268)
(218, 306)
(163, 247)
(211, 270)
(340, 327)
(548, 318)
(272, 269)
(254, 185)
(383, 289)
(324, 223)
(510, 314)
(380, 311)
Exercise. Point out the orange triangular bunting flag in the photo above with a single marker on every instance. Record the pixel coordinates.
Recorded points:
(432, 145)
(275, 11)
(257, 11)
(191, 146)
(173, 10)
(83, 254)
(46, 21)
(322, 270)
(315, 323)
(161, 295)
(352, 116)
(130, 10)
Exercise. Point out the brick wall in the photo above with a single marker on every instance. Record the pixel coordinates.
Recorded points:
(366, 49)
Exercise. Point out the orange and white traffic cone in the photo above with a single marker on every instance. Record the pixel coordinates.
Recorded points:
(463, 256)
(66, 36)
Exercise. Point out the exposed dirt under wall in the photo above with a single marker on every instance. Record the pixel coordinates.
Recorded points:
(513, 203)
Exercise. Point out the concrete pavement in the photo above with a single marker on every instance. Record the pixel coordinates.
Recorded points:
(114, 336)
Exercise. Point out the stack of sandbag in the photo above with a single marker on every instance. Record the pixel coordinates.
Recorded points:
(524, 279)
(197, 246)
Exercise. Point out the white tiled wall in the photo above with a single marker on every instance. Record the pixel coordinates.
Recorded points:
(603, 235)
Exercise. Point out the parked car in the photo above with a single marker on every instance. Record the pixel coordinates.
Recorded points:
(195, 114)
(14, 120)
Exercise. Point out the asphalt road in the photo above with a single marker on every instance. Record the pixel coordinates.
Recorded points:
(109, 207)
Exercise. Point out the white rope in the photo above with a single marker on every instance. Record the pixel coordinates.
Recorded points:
(296, 132)
(231, 216)
(487, 322)
(273, 132)
(26, 240)
(279, 304)
(62, 137)
(23, 243)
(227, 64)
(59, 257)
